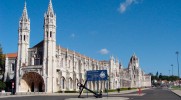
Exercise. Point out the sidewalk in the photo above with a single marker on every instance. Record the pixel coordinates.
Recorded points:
(178, 92)
(8, 94)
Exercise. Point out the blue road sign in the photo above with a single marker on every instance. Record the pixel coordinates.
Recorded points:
(97, 75)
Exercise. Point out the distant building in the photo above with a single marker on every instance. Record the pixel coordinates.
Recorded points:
(48, 67)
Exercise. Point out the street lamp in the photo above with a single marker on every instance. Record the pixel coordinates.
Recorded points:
(172, 69)
(177, 53)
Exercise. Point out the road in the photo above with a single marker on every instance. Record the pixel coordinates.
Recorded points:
(150, 94)
(153, 94)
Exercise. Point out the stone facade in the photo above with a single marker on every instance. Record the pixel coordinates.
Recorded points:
(48, 67)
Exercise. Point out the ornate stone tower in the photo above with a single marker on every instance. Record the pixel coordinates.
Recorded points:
(23, 44)
(134, 71)
(49, 62)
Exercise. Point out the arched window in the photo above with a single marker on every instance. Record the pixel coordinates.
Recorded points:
(63, 83)
(134, 67)
(70, 83)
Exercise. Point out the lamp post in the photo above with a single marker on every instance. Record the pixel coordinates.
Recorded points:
(172, 69)
(177, 53)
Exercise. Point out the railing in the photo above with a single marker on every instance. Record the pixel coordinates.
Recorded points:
(33, 67)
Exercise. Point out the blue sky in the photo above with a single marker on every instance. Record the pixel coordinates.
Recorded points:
(101, 28)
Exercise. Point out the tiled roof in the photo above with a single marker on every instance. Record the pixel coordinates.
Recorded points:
(11, 55)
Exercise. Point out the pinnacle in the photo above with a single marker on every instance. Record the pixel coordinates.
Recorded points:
(25, 13)
(50, 8)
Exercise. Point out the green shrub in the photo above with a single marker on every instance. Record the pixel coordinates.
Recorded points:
(2, 85)
(123, 89)
(58, 92)
(112, 90)
(67, 92)
(70, 92)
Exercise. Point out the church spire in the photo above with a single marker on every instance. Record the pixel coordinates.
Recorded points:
(25, 13)
(50, 9)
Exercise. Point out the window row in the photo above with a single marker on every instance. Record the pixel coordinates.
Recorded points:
(23, 37)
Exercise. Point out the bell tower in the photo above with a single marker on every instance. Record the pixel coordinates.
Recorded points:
(49, 62)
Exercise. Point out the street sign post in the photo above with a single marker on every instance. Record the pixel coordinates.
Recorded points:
(94, 75)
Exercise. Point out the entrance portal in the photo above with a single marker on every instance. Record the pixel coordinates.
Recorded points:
(32, 82)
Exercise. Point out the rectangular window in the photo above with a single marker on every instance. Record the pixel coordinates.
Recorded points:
(24, 37)
(13, 66)
(47, 34)
(50, 33)
(75, 65)
(37, 61)
(62, 62)
(20, 37)
(69, 63)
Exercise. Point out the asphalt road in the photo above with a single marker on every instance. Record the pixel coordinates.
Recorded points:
(154, 94)
(150, 94)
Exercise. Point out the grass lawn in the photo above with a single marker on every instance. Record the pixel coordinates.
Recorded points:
(176, 87)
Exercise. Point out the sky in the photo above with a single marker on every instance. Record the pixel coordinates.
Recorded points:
(102, 28)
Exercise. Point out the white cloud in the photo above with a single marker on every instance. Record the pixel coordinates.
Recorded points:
(72, 35)
(127, 3)
(104, 51)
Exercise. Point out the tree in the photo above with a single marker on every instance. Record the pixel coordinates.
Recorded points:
(2, 60)
(152, 77)
(160, 76)
(173, 78)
